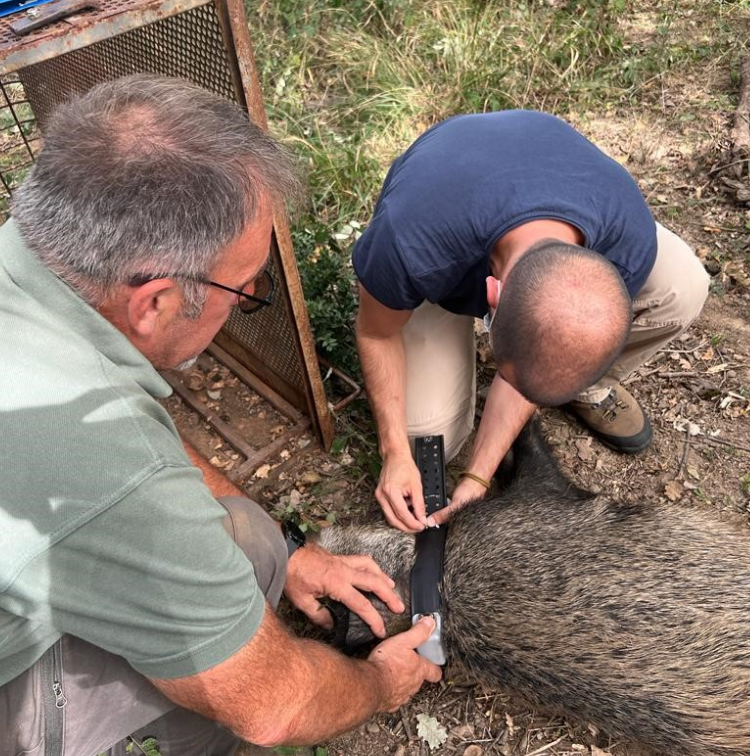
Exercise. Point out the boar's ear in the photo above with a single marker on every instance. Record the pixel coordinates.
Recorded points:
(350, 633)
(340, 616)
(531, 460)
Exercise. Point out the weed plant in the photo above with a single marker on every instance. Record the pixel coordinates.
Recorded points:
(351, 84)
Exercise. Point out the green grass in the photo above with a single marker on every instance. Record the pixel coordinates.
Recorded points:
(351, 84)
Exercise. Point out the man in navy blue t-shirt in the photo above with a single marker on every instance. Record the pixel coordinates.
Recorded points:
(517, 216)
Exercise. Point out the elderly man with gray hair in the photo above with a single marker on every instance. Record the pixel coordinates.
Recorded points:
(133, 600)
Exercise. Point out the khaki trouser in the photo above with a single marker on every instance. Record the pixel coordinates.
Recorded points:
(106, 700)
(441, 359)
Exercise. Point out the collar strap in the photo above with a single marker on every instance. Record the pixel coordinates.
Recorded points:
(427, 572)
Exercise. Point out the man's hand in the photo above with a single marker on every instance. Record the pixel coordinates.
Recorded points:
(402, 670)
(399, 487)
(313, 573)
(464, 493)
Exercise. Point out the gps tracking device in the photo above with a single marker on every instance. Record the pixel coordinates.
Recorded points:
(427, 572)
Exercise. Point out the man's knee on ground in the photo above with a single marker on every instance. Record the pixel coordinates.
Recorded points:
(261, 540)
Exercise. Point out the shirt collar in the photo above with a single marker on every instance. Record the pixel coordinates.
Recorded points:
(69, 310)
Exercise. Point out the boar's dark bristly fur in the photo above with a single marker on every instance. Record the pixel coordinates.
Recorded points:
(633, 618)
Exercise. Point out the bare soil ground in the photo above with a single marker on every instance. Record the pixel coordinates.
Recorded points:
(697, 394)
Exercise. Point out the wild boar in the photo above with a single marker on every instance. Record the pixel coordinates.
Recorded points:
(635, 618)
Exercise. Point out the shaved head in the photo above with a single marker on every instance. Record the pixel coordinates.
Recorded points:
(562, 319)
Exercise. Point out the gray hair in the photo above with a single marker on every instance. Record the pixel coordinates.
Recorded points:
(146, 175)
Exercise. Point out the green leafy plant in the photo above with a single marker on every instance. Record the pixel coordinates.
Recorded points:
(330, 292)
(147, 746)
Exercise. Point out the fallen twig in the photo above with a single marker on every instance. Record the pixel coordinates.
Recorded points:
(722, 442)
(405, 722)
(546, 747)
(667, 350)
(724, 166)
(740, 131)
(640, 375)
(685, 452)
(681, 374)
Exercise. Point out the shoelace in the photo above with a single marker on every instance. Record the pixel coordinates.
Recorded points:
(609, 406)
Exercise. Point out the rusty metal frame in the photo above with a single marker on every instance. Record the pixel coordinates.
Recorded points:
(253, 457)
(112, 19)
(79, 31)
(239, 45)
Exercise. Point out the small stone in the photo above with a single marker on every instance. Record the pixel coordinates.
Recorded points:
(310, 478)
(373, 728)
(262, 471)
(713, 267)
(214, 394)
(465, 732)
(197, 381)
(473, 750)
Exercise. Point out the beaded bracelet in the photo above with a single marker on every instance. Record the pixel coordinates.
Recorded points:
(472, 476)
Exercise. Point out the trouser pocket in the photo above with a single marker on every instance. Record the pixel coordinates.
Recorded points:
(53, 699)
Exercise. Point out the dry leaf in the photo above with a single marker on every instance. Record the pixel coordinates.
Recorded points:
(473, 750)
(717, 368)
(583, 446)
(736, 271)
(429, 729)
(197, 381)
(693, 472)
(674, 490)
(680, 424)
(262, 471)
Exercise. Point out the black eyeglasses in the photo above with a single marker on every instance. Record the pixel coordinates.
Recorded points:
(262, 286)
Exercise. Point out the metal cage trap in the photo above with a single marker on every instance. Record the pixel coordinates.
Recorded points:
(208, 43)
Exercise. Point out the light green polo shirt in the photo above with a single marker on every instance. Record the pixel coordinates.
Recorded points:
(107, 531)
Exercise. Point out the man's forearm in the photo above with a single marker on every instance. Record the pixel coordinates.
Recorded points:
(347, 694)
(215, 481)
(383, 362)
(505, 414)
(282, 689)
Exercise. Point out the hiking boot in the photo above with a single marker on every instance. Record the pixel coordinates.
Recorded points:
(617, 420)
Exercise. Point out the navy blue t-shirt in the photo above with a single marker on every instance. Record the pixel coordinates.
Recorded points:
(469, 180)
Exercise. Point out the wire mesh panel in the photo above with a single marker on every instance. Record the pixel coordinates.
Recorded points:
(189, 45)
(19, 138)
(193, 40)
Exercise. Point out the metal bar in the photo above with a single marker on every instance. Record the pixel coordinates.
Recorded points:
(15, 118)
(229, 434)
(349, 398)
(269, 450)
(275, 400)
(63, 36)
(253, 457)
(317, 401)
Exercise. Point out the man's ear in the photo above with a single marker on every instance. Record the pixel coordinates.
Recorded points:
(493, 291)
(153, 304)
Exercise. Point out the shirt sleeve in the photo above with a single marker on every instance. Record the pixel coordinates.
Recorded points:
(380, 267)
(155, 579)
